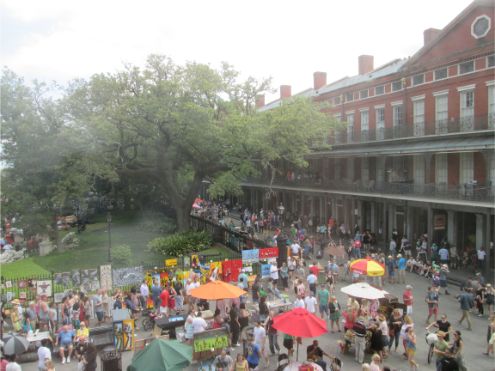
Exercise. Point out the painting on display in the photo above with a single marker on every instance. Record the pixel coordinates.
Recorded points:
(75, 277)
(10, 295)
(44, 288)
(58, 297)
(89, 279)
(106, 277)
(64, 279)
(22, 284)
(127, 276)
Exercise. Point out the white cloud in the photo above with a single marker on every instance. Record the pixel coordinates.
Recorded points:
(287, 40)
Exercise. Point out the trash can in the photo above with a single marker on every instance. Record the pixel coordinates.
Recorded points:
(111, 359)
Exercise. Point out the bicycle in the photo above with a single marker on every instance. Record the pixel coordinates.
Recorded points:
(431, 339)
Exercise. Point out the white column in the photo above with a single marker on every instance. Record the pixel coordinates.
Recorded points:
(479, 231)
(451, 231)
(373, 217)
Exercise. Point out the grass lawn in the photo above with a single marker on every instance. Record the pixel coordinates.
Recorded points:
(21, 268)
(92, 252)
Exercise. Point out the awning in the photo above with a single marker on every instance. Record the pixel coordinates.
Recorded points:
(411, 146)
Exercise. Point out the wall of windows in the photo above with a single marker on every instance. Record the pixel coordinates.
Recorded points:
(441, 168)
(441, 113)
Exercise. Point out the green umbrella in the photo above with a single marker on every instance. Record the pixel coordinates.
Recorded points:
(161, 355)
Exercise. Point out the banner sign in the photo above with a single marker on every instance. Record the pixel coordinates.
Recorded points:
(44, 288)
(210, 340)
(250, 256)
(269, 252)
(265, 270)
(171, 262)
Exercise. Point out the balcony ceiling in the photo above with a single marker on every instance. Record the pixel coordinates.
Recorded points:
(471, 144)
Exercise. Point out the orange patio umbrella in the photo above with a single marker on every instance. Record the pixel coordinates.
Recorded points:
(216, 290)
(367, 267)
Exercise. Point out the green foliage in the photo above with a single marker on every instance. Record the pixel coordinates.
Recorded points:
(122, 255)
(181, 243)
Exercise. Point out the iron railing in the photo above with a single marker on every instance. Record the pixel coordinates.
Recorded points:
(439, 127)
(467, 192)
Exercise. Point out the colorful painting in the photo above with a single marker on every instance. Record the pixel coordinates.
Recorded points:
(44, 288)
(75, 277)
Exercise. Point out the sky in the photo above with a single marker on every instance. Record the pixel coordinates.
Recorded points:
(61, 40)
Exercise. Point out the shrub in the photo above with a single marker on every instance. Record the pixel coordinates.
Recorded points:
(181, 243)
(121, 255)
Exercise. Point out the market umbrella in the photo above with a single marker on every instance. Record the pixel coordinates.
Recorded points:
(368, 267)
(216, 290)
(161, 355)
(14, 344)
(300, 323)
(364, 291)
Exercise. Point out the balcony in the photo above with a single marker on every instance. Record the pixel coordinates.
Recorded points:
(440, 127)
(464, 192)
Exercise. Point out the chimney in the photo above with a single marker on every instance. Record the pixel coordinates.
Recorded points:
(365, 64)
(430, 34)
(260, 101)
(285, 91)
(319, 80)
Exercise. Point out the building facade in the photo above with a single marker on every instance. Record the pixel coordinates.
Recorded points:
(417, 151)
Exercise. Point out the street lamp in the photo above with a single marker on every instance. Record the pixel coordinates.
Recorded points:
(109, 229)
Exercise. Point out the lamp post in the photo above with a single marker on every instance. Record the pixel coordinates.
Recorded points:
(109, 229)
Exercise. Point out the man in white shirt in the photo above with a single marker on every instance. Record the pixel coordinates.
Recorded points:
(299, 303)
(274, 273)
(312, 279)
(310, 302)
(199, 324)
(259, 334)
(295, 249)
(145, 292)
(43, 354)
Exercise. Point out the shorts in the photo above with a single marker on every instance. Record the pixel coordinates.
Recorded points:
(410, 352)
(443, 283)
(99, 315)
(433, 310)
(164, 310)
(65, 346)
(252, 365)
(323, 309)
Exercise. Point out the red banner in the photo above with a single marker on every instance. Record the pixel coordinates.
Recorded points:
(269, 252)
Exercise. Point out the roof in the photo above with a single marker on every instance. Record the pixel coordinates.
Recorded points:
(385, 70)
(276, 103)
(411, 147)
(445, 31)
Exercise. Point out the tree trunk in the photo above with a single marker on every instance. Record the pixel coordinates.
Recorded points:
(182, 214)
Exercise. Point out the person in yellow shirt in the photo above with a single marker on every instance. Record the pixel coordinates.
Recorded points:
(82, 335)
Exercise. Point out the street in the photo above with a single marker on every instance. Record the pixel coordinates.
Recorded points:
(475, 341)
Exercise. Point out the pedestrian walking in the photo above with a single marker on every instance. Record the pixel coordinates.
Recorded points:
(457, 349)
(312, 279)
(489, 298)
(323, 297)
(411, 348)
(272, 334)
(334, 309)
(395, 324)
(444, 270)
(359, 330)
(432, 299)
(466, 302)
(235, 326)
(408, 299)
(401, 268)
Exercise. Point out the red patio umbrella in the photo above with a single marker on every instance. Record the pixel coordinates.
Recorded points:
(301, 323)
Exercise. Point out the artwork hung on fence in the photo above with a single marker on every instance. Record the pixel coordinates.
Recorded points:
(106, 277)
(89, 279)
(63, 279)
(127, 276)
(44, 288)
(75, 277)
(22, 284)
(10, 295)
(8, 284)
(23, 295)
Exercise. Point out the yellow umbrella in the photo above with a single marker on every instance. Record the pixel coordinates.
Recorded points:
(368, 267)
(216, 290)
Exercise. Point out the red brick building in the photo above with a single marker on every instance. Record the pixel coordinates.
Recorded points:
(417, 153)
